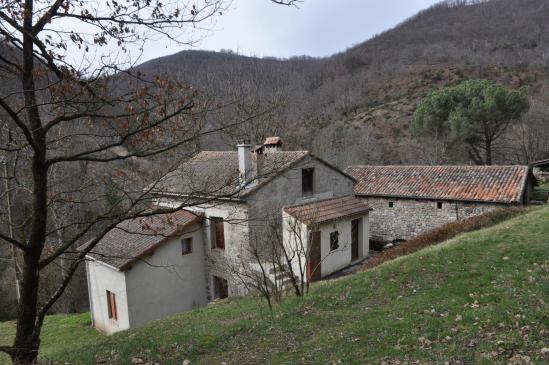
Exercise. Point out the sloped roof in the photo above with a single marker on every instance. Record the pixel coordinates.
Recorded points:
(132, 239)
(215, 173)
(498, 184)
(328, 210)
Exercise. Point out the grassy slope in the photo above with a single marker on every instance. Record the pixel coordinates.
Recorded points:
(482, 297)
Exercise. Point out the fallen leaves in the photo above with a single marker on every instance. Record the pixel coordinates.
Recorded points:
(519, 359)
(425, 343)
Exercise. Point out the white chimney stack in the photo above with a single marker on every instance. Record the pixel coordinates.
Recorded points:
(244, 162)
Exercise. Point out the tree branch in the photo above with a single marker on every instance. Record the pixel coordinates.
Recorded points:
(46, 18)
(13, 115)
(13, 242)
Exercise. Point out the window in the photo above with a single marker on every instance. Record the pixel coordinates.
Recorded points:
(111, 305)
(439, 205)
(221, 288)
(186, 246)
(218, 232)
(391, 204)
(334, 240)
(307, 181)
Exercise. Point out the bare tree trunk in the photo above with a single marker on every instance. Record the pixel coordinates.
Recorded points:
(488, 153)
(26, 344)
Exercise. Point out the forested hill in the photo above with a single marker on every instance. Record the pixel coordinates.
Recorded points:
(356, 106)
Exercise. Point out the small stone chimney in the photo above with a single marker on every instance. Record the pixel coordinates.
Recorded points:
(244, 162)
(257, 161)
(273, 144)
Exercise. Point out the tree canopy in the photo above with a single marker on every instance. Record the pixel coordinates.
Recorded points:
(74, 117)
(477, 112)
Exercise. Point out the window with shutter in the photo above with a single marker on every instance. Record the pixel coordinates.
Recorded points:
(218, 233)
(111, 305)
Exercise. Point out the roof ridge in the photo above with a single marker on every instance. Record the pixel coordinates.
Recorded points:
(235, 151)
(320, 201)
(445, 166)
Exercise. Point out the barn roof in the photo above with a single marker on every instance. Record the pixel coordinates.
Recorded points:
(328, 210)
(133, 239)
(497, 184)
(216, 174)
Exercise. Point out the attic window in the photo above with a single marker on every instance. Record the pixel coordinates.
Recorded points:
(334, 240)
(186, 246)
(439, 205)
(111, 305)
(307, 181)
(391, 204)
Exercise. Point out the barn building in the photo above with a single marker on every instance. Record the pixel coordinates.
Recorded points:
(409, 200)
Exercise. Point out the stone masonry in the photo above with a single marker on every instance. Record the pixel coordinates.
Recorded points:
(408, 218)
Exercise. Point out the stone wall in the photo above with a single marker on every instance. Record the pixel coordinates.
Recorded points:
(408, 218)
(266, 204)
(224, 262)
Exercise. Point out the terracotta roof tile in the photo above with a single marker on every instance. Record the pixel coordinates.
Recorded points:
(499, 184)
(327, 210)
(132, 239)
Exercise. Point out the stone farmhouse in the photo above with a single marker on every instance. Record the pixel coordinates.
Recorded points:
(234, 200)
(410, 200)
(237, 204)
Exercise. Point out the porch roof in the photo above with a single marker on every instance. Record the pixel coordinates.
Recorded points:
(323, 211)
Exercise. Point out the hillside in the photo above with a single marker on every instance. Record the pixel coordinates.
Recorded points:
(356, 106)
(479, 298)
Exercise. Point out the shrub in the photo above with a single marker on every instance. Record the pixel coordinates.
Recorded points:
(444, 233)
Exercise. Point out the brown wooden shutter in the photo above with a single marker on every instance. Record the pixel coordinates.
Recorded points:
(111, 305)
(219, 234)
(314, 266)
(114, 310)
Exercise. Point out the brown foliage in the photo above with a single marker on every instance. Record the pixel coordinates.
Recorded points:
(444, 233)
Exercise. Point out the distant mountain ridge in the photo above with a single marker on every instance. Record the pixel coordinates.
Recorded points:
(360, 101)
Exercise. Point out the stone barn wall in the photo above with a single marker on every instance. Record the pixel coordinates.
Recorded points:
(411, 217)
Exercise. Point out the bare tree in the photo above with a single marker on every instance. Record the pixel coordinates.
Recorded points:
(78, 108)
(279, 259)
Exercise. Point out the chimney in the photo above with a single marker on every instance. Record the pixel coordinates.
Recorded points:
(257, 161)
(244, 162)
(273, 144)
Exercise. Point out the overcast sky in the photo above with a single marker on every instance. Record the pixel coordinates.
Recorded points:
(316, 28)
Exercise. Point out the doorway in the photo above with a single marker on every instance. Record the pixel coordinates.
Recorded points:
(355, 223)
(220, 288)
(314, 266)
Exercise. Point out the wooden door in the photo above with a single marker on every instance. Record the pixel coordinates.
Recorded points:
(221, 289)
(315, 259)
(354, 239)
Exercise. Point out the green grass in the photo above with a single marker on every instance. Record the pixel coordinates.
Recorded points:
(482, 297)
